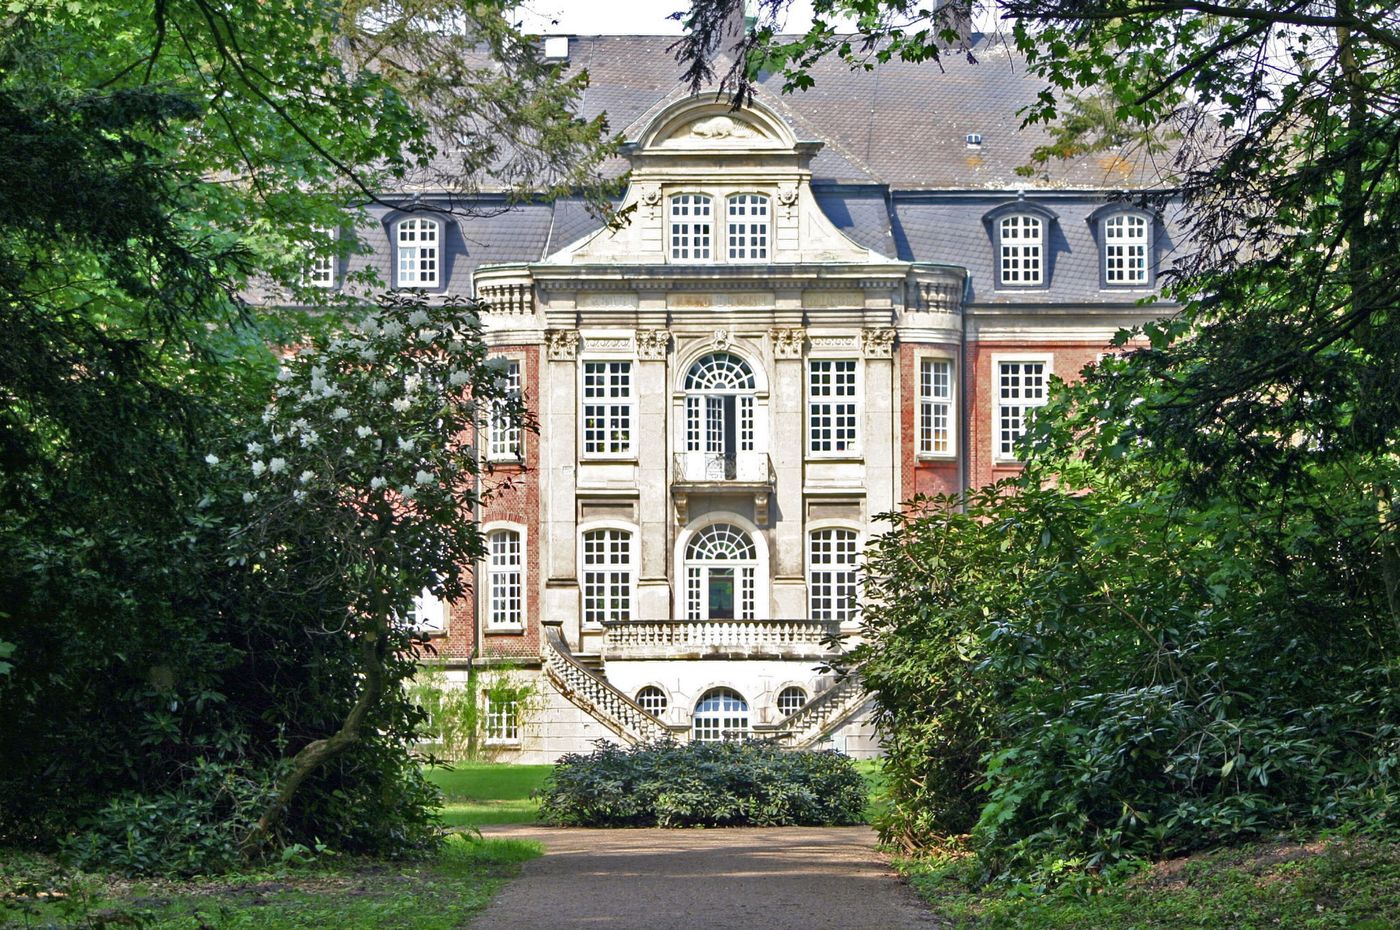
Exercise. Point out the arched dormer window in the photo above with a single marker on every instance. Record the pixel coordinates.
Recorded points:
(418, 249)
(1127, 247)
(691, 228)
(1020, 234)
(747, 228)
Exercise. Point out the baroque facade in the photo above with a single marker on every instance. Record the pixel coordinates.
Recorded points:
(787, 336)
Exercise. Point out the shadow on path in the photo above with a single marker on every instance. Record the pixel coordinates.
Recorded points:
(787, 878)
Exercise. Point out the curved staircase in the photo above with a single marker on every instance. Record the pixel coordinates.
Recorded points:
(592, 693)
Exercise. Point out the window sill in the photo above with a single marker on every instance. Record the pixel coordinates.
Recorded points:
(936, 458)
(595, 459)
(836, 457)
(499, 741)
(504, 630)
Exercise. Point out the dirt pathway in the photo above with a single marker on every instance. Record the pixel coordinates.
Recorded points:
(793, 878)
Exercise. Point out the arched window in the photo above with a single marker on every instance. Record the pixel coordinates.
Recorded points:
(607, 576)
(831, 574)
(652, 700)
(748, 228)
(1021, 244)
(690, 228)
(720, 568)
(720, 714)
(1125, 241)
(790, 700)
(504, 569)
(719, 412)
(417, 241)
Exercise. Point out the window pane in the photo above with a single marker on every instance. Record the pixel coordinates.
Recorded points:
(607, 408)
(935, 406)
(690, 227)
(831, 582)
(504, 588)
(748, 227)
(831, 405)
(504, 440)
(1020, 386)
(607, 576)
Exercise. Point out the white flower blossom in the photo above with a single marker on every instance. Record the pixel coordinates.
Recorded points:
(248, 497)
(268, 413)
(427, 335)
(298, 495)
(255, 448)
(459, 378)
(401, 404)
(367, 352)
(258, 469)
(310, 438)
(417, 318)
(284, 373)
(277, 465)
(378, 388)
(498, 363)
(392, 329)
(376, 483)
(423, 477)
(212, 459)
(370, 325)
(405, 445)
(412, 383)
(363, 431)
(456, 344)
(407, 492)
(340, 413)
(306, 476)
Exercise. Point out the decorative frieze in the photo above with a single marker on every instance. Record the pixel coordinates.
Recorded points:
(832, 342)
(877, 343)
(563, 344)
(609, 343)
(653, 343)
(606, 300)
(787, 343)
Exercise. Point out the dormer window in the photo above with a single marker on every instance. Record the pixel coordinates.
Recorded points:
(1021, 251)
(321, 270)
(417, 242)
(690, 228)
(748, 228)
(1126, 242)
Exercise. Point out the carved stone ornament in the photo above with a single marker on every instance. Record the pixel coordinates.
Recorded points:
(721, 339)
(787, 343)
(721, 127)
(651, 196)
(563, 344)
(877, 343)
(787, 196)
(652, 343)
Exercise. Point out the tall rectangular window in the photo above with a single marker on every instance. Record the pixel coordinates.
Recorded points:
(607, 408)
(502, 719)
(1125, 249)
(1021, 239)
(690, 228)
(1021, 386)
(504, 568)
(831, 405)
(417, 243)
(831, 574)
(607, 576)
(748, 228)
(504, 439)
(935, 406)
(321, 271)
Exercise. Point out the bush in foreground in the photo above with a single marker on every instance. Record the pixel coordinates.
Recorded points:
(703, 784)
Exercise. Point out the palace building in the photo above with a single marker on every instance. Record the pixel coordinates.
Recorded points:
(815, 308)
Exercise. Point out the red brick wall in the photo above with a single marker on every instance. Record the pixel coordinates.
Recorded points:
(513, 495)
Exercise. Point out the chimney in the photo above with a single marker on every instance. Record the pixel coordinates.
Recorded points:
(556, 48)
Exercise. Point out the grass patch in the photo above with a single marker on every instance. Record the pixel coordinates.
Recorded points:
(479, 793)
(1340, 884)
(353, 895)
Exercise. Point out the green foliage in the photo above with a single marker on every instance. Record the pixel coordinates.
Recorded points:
(735, 783)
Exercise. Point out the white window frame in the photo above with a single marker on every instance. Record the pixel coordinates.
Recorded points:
(1020, 256)
(612, 410)
(850, 613)
(748, 227)
(720, 732)
(650, 700)
(690, 235)
(320, 271)
(814, 401)
(926, 410)
(430, 613)
(1116, 250)
(505, 443)
(500, 724)
(999, 402)
(418, 258)
(494, 569)
(786, 690)
(614, 610)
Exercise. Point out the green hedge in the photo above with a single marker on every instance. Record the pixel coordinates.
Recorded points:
(703, 784)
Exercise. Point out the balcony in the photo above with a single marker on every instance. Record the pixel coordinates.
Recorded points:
(719, 639)
(717, 472)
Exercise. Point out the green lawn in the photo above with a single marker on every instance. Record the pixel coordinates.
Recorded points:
(1339, 885)
(480, 793)
(345, 895)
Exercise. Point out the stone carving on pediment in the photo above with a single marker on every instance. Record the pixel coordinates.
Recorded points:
(563, 344)
(787, 343)
(721, 127)
(721, 339)
(877, 343)
(653, 343)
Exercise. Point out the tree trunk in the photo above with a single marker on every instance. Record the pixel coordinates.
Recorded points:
(316, 753)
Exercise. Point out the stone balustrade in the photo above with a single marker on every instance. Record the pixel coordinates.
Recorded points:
(653, 639)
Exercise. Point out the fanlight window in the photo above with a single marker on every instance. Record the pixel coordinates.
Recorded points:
(652, 700)
(720, 567)
(721, 714)
(719, 413)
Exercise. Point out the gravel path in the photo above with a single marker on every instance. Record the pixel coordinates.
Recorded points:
(792, 878)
